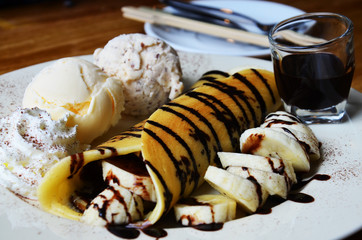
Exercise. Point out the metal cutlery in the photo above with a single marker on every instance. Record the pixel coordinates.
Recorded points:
(230, 17)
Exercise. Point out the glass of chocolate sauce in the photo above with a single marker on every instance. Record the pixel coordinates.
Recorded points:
(313, 59)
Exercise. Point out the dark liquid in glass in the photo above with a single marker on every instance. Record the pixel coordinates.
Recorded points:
(313, 81)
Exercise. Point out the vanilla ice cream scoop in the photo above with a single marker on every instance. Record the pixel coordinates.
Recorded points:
(78, 89)
(148, 67)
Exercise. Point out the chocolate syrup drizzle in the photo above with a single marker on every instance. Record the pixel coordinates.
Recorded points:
(267, 85)
(201, 118)
(134, 131)
(198, 133)
(179, 173)
(232, 92)
(77, 162)
(229, 124)
(293, 118)
(194, 175)
(254, 90)
(217, 72)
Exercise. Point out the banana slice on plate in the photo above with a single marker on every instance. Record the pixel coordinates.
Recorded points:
(268, 164)
(282, 115)
(248, 193)
(310, 144)
(291, 125)
(115, 205)
(268, 142)
(205, 209)
(274, 183)
(129, 172)
(285, 118)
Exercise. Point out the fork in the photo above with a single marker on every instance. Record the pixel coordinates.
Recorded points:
(235, 19)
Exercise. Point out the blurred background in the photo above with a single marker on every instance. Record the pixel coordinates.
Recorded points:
(35, 31)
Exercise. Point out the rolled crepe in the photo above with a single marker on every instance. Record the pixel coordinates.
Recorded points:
(178, 141)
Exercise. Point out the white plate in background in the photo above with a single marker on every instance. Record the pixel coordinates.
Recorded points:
(263, 11)
(335, 213)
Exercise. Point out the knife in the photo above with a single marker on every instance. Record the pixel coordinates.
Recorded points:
(206, 18)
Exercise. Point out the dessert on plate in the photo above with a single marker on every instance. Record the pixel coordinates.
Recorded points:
(175, 146)
(225, 130)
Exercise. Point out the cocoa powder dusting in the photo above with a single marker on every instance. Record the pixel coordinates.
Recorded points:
(332, 153)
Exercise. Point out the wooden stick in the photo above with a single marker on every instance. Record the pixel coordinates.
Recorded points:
(298, 38)
(153, 16)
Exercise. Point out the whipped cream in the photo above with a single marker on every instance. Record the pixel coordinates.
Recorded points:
(30, 144)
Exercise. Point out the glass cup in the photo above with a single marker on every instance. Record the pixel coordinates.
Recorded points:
(313, 60)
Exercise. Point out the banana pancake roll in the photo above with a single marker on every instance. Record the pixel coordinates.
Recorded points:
(177, 142)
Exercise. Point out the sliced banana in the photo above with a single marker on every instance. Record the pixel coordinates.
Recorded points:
(268, 142)
(274, 183)
(114, 205)
(140, 183)
(283, 120)
(282, 115)
(310, 144)
(289, 124)
(287, 120)
(268, 164)
(205, 209)
(246, 192)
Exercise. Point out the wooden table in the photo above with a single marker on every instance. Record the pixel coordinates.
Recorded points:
(49, 30)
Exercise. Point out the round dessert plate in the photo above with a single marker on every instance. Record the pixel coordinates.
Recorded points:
(263, 11)
(334, 213)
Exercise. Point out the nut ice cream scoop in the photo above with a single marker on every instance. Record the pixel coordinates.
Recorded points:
(78, 89)
(30, 144)
(148, 67)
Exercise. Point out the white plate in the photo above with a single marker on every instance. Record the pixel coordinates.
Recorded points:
(263, 11)
(336, 211)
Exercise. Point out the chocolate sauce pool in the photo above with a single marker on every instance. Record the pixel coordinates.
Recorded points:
(294, 195)
(157, 232)
(133, 233)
